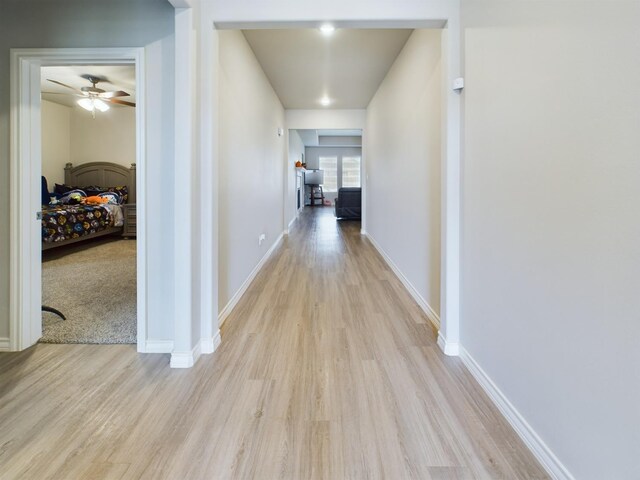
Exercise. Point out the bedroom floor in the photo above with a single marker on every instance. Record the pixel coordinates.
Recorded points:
(93, 284)
(327, 370)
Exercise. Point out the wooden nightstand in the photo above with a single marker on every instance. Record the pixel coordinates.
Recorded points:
(129, 228)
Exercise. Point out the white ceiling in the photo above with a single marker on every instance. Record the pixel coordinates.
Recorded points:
(303, 65)
(120, 77)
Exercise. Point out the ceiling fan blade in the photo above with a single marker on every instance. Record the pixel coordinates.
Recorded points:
(62, 84)
(63, 93)
(120, 102)
(119, 93)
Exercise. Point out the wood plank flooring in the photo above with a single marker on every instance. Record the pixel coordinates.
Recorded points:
(327, 370)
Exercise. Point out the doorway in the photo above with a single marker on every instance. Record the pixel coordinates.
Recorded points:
(333, 154)
(300, 115)
(26, 185)
(89, 216)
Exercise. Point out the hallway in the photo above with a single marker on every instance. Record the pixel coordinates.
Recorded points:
(327, 369)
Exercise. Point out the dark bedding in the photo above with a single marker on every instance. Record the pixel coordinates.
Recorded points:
(62, 222)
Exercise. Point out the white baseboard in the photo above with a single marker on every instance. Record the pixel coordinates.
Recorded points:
(4, 344)
(209, 345)
(293, 220)
(222, 316)
(158, 346)
(186, 359)
(448, 348)
(542, 452)
(422, 303)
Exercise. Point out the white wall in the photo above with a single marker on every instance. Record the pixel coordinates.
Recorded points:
(70, 134)
(110, 137)
(79, 23)
(296, 153)
(403, 144)
(252, 158)
(56, 141)
(551, 244)
(160, 159)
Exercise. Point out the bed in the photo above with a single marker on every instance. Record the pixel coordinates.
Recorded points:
(66, 224)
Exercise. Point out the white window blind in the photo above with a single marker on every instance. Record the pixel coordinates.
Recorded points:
(330, 167)
(350, 171)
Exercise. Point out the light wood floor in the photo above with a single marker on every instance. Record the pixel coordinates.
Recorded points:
(327, 369)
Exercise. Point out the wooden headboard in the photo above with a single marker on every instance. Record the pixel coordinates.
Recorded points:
(103, 174)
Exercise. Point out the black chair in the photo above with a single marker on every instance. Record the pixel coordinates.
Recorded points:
(349, 203)
(53, 310)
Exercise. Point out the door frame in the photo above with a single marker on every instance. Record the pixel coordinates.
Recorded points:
(25, 166)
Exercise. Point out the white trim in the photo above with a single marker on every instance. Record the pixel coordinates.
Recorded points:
(222, 316)
(451, 182)
(158, 346)
(25, 164)
(186, 359)
(24, 296)
(293, 220)
(210, 345)
(4, 344)
(185, 255)
(541, 450)
(363, 178)
(286, 179)
(181, 3)
(141, 202)
(207, 159)
(422, 303)
(242, 24)
(450, 349)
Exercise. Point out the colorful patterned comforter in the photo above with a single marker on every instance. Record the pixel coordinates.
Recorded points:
(62, 222)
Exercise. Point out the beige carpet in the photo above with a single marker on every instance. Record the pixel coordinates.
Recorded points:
(94, 285)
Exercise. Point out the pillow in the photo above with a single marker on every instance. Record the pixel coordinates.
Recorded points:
(73, 197)
(62, 189)
(122, 191)
(93, 190)
(112, 198)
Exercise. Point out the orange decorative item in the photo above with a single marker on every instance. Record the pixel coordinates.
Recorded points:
(95, 200)
(298, 164)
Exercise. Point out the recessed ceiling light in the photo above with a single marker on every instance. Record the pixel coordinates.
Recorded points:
(325, 101)
(327, 29)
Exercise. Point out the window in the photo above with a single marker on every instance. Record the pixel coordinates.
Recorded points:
(350, 171)
(330, 167)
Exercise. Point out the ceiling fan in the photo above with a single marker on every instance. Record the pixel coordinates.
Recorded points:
(94, 98)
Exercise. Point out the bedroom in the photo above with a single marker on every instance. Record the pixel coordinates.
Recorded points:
(89, 209)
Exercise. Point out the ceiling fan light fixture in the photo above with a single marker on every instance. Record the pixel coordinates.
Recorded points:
(100, 105)
(327, 29)
(87, 104)
(92, 104)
